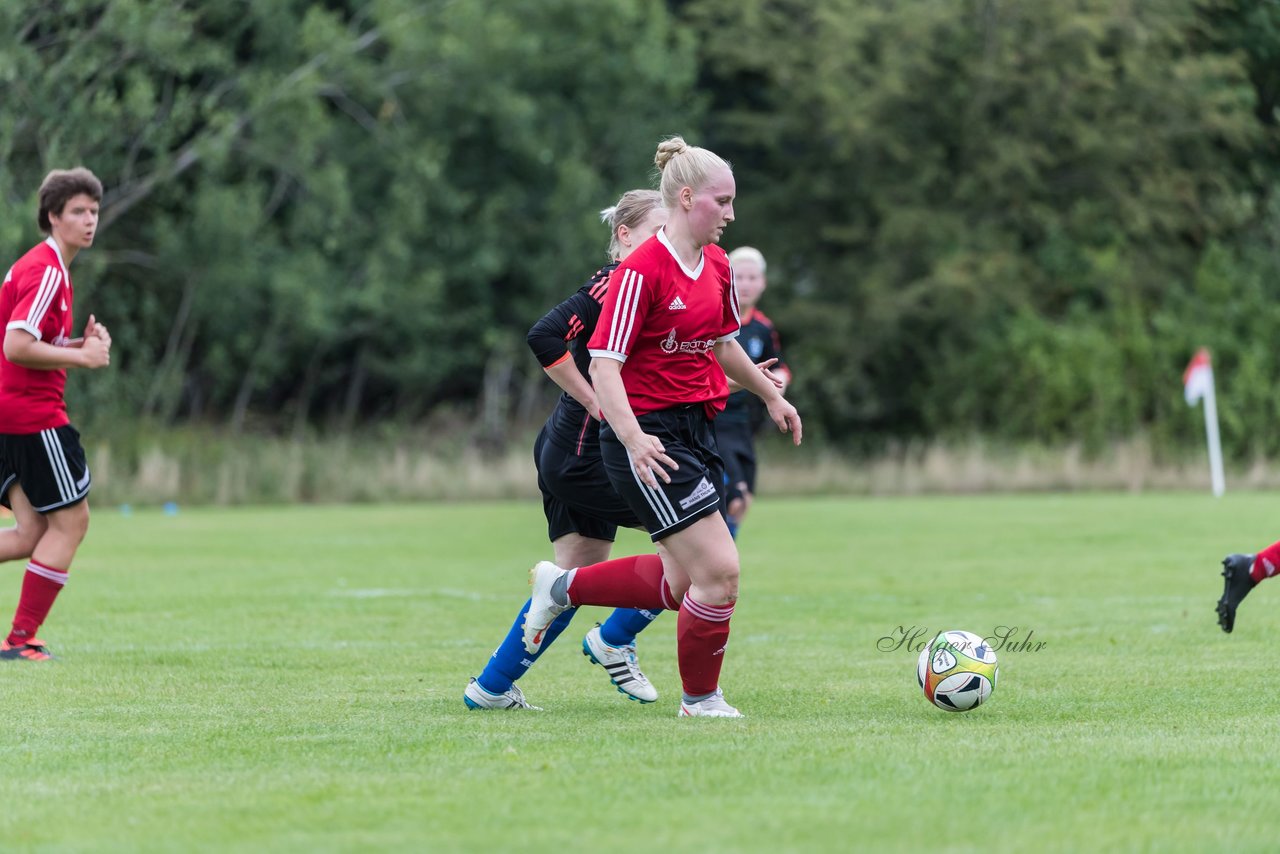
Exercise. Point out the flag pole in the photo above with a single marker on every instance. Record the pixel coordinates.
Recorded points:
(1197, 385)
(1211, 436)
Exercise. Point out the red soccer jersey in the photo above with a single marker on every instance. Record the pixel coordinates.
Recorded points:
(36, 297)
(661, 320)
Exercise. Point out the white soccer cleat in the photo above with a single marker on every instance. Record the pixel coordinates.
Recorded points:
(543, 610)
(621, 665)
(712, 707)
(478, 698)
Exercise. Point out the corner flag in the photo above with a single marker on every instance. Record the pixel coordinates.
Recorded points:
(1197, 385)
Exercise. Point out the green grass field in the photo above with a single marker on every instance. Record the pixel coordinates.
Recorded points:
(291, 679)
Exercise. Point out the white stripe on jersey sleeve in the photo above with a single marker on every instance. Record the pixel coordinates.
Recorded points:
(615, 322)
(48, 289)
(733, 296)
(44, 297)
(624, 316)
(631, 309)
(622, 311)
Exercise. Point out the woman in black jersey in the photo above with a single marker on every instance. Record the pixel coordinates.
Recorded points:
(583, 510)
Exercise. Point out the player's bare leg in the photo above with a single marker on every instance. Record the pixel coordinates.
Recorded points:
(45, 577)
(19, 541)
(576, 550)
(65, 533)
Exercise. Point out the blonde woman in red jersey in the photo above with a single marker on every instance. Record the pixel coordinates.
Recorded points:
(44, 477)
(582, 508)
(661, 352)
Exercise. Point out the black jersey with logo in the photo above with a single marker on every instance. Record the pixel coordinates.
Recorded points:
(562, 333)
(760, 339)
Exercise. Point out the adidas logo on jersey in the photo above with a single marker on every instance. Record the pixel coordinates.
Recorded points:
(677, 304)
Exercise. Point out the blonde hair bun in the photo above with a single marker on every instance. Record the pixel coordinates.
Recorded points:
(668, 149)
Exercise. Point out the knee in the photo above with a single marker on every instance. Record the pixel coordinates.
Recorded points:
(81, 519)
(29, 534)
(722, 583)
(71, 523)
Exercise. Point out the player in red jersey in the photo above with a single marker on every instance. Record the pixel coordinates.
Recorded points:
(582, 508)
(44, 478)
(661, 352)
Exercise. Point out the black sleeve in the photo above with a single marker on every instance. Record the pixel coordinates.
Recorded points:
(549, 337)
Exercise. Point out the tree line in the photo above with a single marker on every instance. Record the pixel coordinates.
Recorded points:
(982, 217)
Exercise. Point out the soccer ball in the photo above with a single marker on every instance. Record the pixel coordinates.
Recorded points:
(957, 671)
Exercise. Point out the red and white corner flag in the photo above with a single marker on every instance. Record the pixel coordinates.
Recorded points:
(1197, 379)
(1197, 385)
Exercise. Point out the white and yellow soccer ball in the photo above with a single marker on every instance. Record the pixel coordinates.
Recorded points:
(957, 671)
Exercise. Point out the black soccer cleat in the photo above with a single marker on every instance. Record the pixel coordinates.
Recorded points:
(1236, 585)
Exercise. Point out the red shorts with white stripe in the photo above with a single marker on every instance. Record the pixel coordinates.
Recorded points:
(696, 487)
(49, 465)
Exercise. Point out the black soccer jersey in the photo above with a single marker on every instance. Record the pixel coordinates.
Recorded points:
(562, 333)
(760, 339)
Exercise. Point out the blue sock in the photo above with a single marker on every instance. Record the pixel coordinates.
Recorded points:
(510, 661)
(624, 624)
(733, 528)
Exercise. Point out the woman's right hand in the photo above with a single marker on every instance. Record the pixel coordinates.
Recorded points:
(786, 417)
(649, 459)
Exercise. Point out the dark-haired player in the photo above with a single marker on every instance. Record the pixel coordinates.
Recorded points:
(44, 477)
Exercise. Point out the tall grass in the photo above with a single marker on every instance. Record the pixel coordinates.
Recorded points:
(983, 466)
(196, 466)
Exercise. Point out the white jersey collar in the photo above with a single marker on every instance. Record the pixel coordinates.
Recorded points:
(58, 252)
(702, 255)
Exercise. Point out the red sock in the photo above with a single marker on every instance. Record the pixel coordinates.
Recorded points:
(40, 586)
(628, 582)
(701, 634)
(1266, 563)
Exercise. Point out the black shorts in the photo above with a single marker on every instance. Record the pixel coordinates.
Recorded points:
(696, 487)
(49, 465)
(577, 497)
(738, 450)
